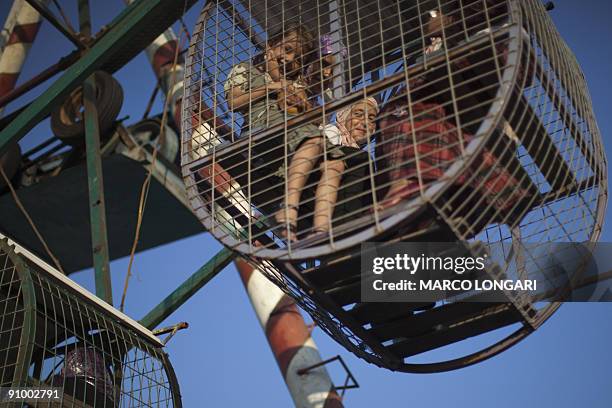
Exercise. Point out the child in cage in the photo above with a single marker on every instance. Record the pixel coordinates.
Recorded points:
(419, 140)
(272, 84)
(352, 130)
(271, 89)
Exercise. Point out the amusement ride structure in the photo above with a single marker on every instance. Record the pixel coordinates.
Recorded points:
(293, 132)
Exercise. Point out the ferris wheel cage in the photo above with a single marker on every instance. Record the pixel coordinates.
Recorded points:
(517, 44)
(402, 211)
(272, 261)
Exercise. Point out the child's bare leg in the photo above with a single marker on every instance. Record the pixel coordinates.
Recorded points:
(302, 163)
(327, 193)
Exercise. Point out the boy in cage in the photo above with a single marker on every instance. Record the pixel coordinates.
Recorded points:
(419, 138)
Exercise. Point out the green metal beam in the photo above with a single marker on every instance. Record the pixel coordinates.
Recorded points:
(188, 288)
(135, 28)
(95, 179)
(95, 183)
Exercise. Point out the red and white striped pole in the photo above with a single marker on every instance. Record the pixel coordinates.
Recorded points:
(290, 341)
(22, 25)
(161, 54)
(9, 23)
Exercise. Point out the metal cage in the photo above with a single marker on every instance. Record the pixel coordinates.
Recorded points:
(53, 333)
(484, 133)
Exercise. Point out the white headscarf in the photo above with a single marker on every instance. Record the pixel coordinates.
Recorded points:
(342, 118)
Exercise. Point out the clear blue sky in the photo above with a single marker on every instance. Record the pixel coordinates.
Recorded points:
(223, 359)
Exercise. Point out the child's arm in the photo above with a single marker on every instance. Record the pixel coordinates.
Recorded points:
(239, 91)
(293, 98)
(238, 99)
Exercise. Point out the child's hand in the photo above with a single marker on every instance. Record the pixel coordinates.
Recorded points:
(278, 85)
(272, 66)
(292, 97)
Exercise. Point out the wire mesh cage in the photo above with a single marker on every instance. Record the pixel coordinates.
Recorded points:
(53, 334)
(310, 127)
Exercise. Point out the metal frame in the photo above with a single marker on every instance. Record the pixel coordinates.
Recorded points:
(36, 280)
(95, 179)
(114, 47)
(50, 270)
(136, 19)
(50, 17)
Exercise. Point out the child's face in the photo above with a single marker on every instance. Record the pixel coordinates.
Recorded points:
(288, 52)
(436, 22)
(361, 122)
(328, 66)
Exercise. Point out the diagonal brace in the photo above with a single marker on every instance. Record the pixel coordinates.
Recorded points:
(188, 288)
(42, 9)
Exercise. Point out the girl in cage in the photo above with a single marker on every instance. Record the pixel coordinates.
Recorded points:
(272, 84)
(336, 144)
(272, 89)
(419, 140)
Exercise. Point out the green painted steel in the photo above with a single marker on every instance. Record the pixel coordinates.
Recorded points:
(135, 28)
(95, 178)
(188, 288)
(95, 183)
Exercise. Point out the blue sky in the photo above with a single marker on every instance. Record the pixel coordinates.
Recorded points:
(223, 359)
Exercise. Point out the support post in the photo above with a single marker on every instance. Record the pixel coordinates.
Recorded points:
(84, 18)
(11, 19)
(336, 37)
(95, 183)
(290, 341)
(95, 179)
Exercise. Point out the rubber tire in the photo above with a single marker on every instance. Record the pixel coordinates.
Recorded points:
(10, 162)
(109, 100)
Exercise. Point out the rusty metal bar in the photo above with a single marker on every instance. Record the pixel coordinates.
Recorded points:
(306, 370)
(30, 84)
